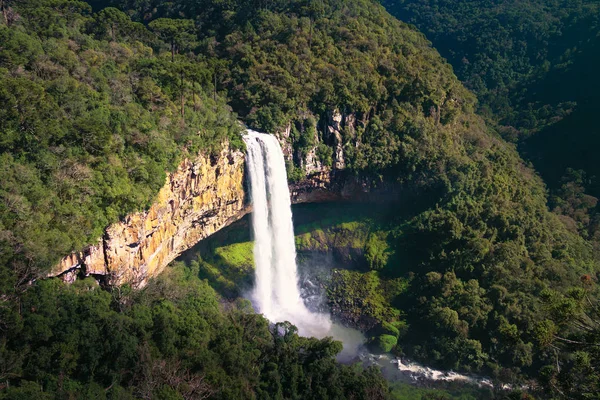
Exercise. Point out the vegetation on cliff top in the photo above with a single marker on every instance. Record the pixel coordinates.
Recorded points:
(91, 118)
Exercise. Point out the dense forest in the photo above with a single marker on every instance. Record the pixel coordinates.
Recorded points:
(532, 66)
(470, 271)
(91, 120)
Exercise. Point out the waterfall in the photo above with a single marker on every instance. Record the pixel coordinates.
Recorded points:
(276, 293)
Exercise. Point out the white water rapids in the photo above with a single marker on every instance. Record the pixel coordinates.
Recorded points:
(276, 293)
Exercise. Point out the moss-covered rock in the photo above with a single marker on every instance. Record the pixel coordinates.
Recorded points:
(390, 329)
(383, 343)
(357, 299)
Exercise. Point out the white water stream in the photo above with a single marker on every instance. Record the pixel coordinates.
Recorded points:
(276, 294)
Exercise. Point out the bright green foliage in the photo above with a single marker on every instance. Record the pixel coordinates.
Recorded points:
(384, 343)
(89, 124)
(170, 340)
(390, 329)
(229, 268)
(377, 250)
(237, 255)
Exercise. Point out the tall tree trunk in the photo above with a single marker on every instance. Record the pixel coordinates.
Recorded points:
(172, 50)
(4, 11)
(182, 96)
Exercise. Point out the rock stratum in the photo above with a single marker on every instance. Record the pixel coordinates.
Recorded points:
(199, 198)
(203, 196)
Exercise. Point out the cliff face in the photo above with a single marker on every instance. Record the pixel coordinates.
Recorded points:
(201, 197)
(339, 185)
(207, 194)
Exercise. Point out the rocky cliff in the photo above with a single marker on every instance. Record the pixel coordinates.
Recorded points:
(201, 197)
(339, 185)
(207, 194)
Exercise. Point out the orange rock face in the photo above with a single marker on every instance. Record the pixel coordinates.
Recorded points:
(201, 197)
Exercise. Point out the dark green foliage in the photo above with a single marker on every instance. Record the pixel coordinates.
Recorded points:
(510, 52)
(575, 370)
(171, 340)
(532, 65)
(358, 299)
(403, 391)
(177, 32)
(89, 125)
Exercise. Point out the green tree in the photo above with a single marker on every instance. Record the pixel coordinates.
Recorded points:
(113, 21)
(177, 32)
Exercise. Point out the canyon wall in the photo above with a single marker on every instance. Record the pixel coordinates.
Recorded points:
(328, 185)
(199, 198)
(207, 194)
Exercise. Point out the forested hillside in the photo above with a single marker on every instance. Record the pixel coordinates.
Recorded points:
(510, 53)
(533, 67)
(91, 118)
(487, 264)
(92, 115)
(97, 106)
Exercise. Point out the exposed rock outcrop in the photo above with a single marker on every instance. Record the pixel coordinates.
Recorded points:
(207, 194)
(334, 185)
(335, 131)
(311, 163)
(286, 143)
(201, 197)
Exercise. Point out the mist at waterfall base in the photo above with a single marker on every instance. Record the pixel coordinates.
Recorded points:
(277, 293)
(281, 293)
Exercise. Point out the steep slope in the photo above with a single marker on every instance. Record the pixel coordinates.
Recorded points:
(532, 65)
(508, 51)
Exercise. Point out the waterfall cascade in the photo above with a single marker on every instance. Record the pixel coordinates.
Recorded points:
(276, 293)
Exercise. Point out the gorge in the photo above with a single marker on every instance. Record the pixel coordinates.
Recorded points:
(200, 197)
